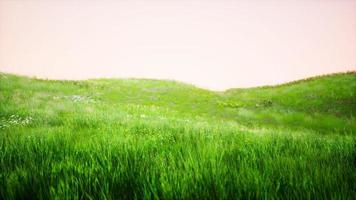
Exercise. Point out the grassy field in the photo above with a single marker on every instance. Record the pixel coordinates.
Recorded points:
(151, 139)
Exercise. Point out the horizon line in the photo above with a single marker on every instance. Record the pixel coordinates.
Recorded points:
(309, 78)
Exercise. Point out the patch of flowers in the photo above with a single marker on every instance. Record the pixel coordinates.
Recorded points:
(78, 98)
(75, 98)
(14, 120)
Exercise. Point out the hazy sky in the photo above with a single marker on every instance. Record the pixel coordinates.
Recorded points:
(216, 44)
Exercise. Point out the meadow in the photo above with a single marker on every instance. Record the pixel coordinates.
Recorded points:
(160, 139)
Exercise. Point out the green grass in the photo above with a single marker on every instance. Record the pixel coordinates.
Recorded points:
(151, 139)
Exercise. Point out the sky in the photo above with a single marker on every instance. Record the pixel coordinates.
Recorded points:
(214, 44)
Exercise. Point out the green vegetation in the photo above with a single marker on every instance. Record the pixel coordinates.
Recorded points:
(150, 139)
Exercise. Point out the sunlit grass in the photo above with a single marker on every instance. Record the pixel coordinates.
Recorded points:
(127, 139)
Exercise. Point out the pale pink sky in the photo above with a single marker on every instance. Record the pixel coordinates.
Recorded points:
(216, 44)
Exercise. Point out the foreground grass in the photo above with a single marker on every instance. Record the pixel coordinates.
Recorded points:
(146, 139)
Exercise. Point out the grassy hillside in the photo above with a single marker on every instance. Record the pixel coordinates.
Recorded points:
(110, 139)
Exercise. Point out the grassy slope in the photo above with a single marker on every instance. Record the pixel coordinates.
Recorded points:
(164, 139)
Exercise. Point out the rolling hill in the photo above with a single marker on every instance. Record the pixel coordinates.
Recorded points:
(155, 139)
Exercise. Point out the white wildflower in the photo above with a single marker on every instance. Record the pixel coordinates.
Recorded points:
(16, 120)
(78, 98)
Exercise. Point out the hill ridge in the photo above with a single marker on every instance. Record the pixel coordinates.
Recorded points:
(311, 78)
